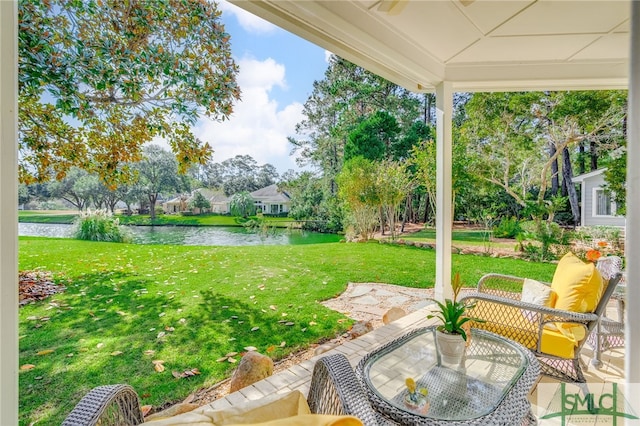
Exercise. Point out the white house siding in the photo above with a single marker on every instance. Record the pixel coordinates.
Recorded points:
(588, 218)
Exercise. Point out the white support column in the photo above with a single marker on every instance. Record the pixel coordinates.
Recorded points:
(9, 214)
(444, 220)
(632, 243)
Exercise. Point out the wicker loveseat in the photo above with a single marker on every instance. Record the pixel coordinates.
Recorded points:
(334, 390)
(556, 336)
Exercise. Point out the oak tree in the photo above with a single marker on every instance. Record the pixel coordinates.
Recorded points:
(100, 78)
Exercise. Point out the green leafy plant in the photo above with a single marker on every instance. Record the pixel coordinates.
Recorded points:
(452, 311)
(509, 227)
(99, 225)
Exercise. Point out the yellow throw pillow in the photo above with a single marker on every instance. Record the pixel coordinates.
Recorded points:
(578, 285)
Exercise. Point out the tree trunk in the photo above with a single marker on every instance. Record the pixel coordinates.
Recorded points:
(554, 170)
(567, 177)
(581, 163)
(593, 155)
(152, 205)
(426, 208)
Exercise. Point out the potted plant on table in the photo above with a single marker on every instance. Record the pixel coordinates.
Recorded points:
(454, 332)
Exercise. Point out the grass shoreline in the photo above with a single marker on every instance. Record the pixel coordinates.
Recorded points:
(66, 217)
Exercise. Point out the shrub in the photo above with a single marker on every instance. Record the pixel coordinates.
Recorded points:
(550, 240)
(99, 225)
(509, 227)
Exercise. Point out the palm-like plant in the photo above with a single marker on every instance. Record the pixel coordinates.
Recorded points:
(452, 312)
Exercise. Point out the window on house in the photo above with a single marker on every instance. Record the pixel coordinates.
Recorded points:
(603, 205)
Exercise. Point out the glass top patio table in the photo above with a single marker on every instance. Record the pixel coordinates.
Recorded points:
(469, 393)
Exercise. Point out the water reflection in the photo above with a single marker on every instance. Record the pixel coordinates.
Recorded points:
(192, 235)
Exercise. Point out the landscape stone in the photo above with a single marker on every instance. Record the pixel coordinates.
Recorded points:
(360, 291)
(397, 300)
(360, 329)
(366, 300)
(421, 304)
(384, 293)
(324, 348)
(393, 314)
(253, 367)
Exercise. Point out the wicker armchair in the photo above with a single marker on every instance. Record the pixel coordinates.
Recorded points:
(334, 390)
(500, 307)
(107, 405)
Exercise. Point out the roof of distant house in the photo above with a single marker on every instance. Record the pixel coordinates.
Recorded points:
(270, 194)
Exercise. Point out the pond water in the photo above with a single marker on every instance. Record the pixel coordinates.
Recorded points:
(193, 235)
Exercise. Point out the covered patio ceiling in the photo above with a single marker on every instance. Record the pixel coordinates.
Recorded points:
(477, 45)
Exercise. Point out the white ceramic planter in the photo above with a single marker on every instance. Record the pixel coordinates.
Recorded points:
(451, 347)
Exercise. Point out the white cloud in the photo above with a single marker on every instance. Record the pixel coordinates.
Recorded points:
(327, 55)
(248, 21)
(259, 126)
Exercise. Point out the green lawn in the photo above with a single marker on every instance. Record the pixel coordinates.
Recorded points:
(466, 237)
(46, 216)
(206, 301)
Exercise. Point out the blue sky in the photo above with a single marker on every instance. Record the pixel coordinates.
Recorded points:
(277, 71)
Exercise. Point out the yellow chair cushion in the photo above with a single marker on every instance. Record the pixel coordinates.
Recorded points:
(578, 285)
(513, 324)
(313, 420)
(272, 407)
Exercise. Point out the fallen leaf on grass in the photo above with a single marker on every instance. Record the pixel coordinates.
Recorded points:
(100, 345)
(27, 367)
(271, 349)
(145, 410)
(313, 323)
(116, 353)
(232, 360)
(45, 352)
(250, 348)
(272, 307)
(228, 357)
(149, 352)
(185, 373)
(283, 344)
(255, 329)
(157, 365)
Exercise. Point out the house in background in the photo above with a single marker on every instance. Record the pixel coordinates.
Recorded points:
(219, 202)
(174, 205)
(270, 200)
(596, 207)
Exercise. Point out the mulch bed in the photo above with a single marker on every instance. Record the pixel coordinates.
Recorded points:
(36, 285)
